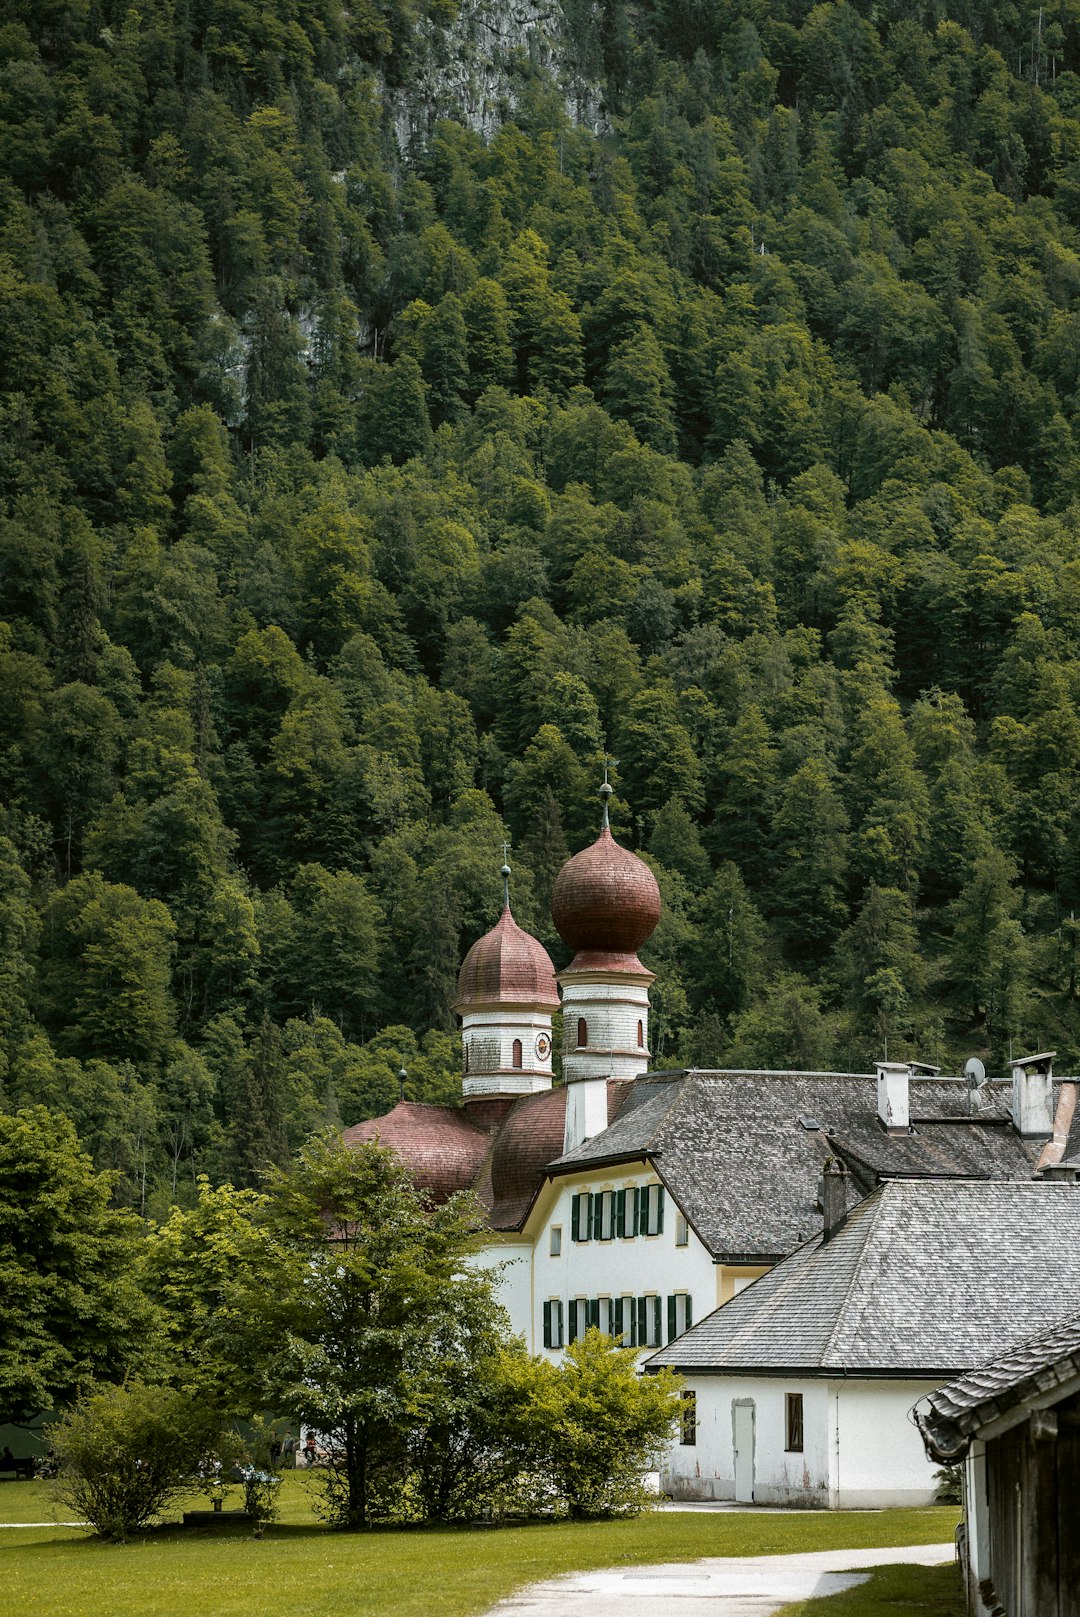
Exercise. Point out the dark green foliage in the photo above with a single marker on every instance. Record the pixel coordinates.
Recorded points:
(73, 1315)
(127, 1452)
(356, 503)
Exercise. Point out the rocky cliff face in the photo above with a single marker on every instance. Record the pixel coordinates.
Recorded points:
(473, 69)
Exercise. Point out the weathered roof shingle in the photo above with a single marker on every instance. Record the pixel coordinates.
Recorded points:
(917, 1282)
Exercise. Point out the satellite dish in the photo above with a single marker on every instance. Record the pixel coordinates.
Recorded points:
(974, 1072)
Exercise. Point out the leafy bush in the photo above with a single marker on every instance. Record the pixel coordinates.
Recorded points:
(126, 1452)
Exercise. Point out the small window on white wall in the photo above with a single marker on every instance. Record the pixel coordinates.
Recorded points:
(794, 1422)
(680, 1314)
(682, 1230)
(555, 1241)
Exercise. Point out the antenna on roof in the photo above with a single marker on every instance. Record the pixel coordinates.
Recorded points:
(975, 1073)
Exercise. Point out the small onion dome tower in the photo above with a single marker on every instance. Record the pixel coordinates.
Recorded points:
(506, 994)
(605, 906)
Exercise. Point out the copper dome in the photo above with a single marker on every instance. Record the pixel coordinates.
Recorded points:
(506, 967)
(606, 901)
(440, 1147)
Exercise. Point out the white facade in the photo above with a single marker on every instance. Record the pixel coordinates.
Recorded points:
(860, 1448)
(505, 1051)
(656, 1259)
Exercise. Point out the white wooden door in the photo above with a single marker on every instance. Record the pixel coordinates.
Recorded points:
(743, 1421)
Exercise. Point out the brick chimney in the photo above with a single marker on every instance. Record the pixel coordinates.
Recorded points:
(833, 1198)
(893, 1105)
(1033, 1095)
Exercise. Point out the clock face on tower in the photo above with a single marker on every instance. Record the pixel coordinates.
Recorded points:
(543, 1046)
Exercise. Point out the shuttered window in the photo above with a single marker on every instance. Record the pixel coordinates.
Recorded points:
(650, 1210)
(679, 1314)
(648, 1322)
(553, 1323)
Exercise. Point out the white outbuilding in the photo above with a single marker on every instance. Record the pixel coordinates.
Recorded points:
(800, 1390)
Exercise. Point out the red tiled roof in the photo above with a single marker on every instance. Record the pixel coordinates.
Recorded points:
(605, 899)
(442, 1150)
(507, 966)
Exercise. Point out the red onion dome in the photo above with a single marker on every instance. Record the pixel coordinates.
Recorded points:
(506, 967)
(605, 899)
(440, 1147)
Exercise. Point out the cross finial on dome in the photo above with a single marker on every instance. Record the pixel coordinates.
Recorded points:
(505, 874)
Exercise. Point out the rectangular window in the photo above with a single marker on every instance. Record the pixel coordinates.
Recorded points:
(577, 1318)
(553, 1323)
(581, 1216)
(607, 1316)
(555, 1241)
(648, 1322)
(679, 1314)
(794, 1423)
(650, 1218)
(682, 1230)
(688, 1420)
(604, 1215)
(624, 1321)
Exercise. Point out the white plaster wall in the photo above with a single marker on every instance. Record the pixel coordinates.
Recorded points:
(860, 1450)
(635, 1266)
(882, 1460)
(513, 1288)
(706, 1470)
(612, 1011)
(489, 1036)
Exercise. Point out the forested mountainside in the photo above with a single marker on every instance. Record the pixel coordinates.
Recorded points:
(373, 465)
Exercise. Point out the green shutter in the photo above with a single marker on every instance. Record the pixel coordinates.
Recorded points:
(639, 1198)
(571, 1324)
(592, 1313)
(597, 1215)
(610, 1325)
(641, 1338)
(672, 1328)
(657, 1337)
(575, 1217)
(689, 1312)
(659, 1210)
(547, 1326)
(617, 1326)
(618, 1213)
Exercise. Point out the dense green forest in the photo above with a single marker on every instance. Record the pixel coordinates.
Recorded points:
(355, 502)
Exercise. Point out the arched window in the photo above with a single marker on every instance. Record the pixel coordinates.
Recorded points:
(517, 1053)
(582, 1032)
(641, 1035)
(466, 1058)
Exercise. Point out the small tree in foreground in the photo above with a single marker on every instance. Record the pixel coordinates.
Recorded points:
(599, 1425)
(124, 1453)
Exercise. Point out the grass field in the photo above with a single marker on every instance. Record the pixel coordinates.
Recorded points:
(893, 1591)
(303, 1569)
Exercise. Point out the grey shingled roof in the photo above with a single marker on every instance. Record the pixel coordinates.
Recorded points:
(918, 1281)
(1033, 1370)
(734, 1155)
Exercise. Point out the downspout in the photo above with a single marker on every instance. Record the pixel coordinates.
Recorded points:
(1054, 1149)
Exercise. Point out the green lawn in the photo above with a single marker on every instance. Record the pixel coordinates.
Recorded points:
(305, 1570)
(893, 1591)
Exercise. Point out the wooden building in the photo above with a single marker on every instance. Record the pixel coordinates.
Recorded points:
(1014, 1424)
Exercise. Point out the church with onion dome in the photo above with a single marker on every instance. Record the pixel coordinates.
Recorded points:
(636, 1200)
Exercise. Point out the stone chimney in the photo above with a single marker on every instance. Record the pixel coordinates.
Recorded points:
(833, 1198)
(1033, 1095)
(893, 1104)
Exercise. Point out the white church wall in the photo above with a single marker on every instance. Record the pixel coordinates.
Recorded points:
(627, 1266)
(513, 1287)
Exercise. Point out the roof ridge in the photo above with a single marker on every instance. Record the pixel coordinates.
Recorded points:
(854, 1280)
(673, 1104)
